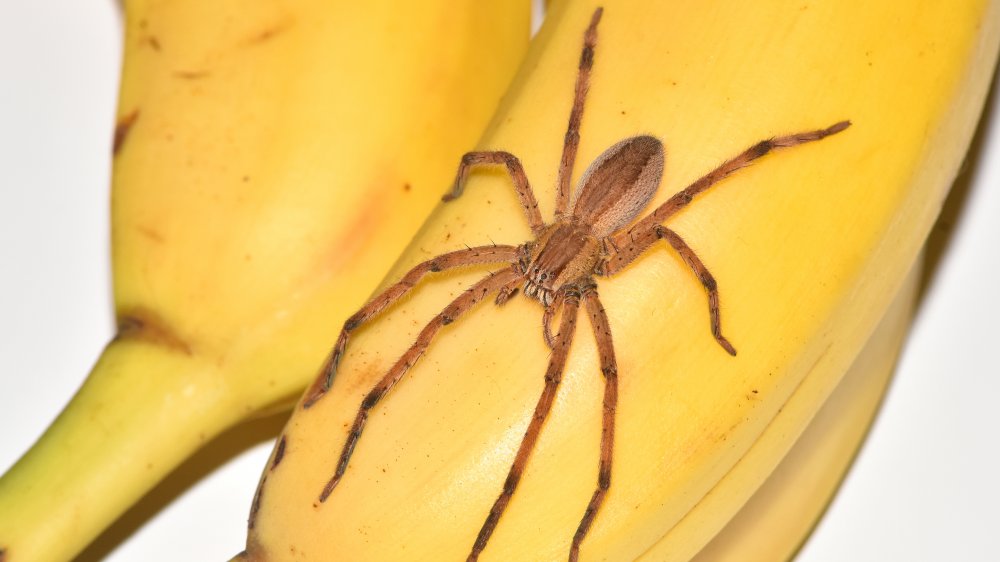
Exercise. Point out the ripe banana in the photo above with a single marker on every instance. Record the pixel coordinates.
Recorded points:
(272, 159)
(808, 246)
(775, 521)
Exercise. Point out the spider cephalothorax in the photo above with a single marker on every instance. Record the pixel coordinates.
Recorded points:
(589, 236)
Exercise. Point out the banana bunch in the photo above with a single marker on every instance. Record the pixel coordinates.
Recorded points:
(809, 247)
(271, 161)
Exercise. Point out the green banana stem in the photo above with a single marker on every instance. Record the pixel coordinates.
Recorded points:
(98, 457)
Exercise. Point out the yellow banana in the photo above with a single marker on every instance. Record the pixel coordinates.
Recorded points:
(272, 159)
(775, 521)
(809, 246)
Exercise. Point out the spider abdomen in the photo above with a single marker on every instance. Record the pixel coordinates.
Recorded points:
(619, 184)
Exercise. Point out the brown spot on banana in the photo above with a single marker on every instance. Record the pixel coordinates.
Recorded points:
(369, 216)
(254, 552)
(122, 127)
(146, 325)
(150, 233)
(191, 74)
(269, 33)
(254, 506)
(279, 453)
(278, 25)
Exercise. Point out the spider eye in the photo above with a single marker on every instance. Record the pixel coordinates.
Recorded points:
(543, 276)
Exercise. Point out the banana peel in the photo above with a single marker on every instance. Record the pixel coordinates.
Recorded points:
(777, 519)
(809, 247)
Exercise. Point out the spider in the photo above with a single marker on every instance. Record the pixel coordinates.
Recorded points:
(588, 238)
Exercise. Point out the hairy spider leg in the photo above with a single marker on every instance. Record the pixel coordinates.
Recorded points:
(706, 278)
(609, 368)
(470, 297)
(553, 374)
(458, 258)
(571, 141)
(517, 176)
(646, 239)
(682, 198)
(509, 290)
(549, 314)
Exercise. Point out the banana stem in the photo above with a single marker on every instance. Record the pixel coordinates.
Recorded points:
(143, 409)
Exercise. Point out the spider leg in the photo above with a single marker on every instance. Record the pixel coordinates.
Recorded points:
(517, 175)
(618, 258)
(462, 303)
(609, 368)
(572, 139)
(469, 256)
(548, 315)
(682, 198)
(508, 291)
(711, 287)
(552, 377)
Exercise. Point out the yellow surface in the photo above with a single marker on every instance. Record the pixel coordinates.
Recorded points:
(776, 520)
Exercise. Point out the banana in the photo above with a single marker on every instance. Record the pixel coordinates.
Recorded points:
(809, 246)
(271, 160)
(775, 521)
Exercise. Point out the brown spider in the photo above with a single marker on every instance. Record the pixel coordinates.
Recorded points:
(557, 268)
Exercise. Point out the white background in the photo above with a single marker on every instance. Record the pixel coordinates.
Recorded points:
(924, 489)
